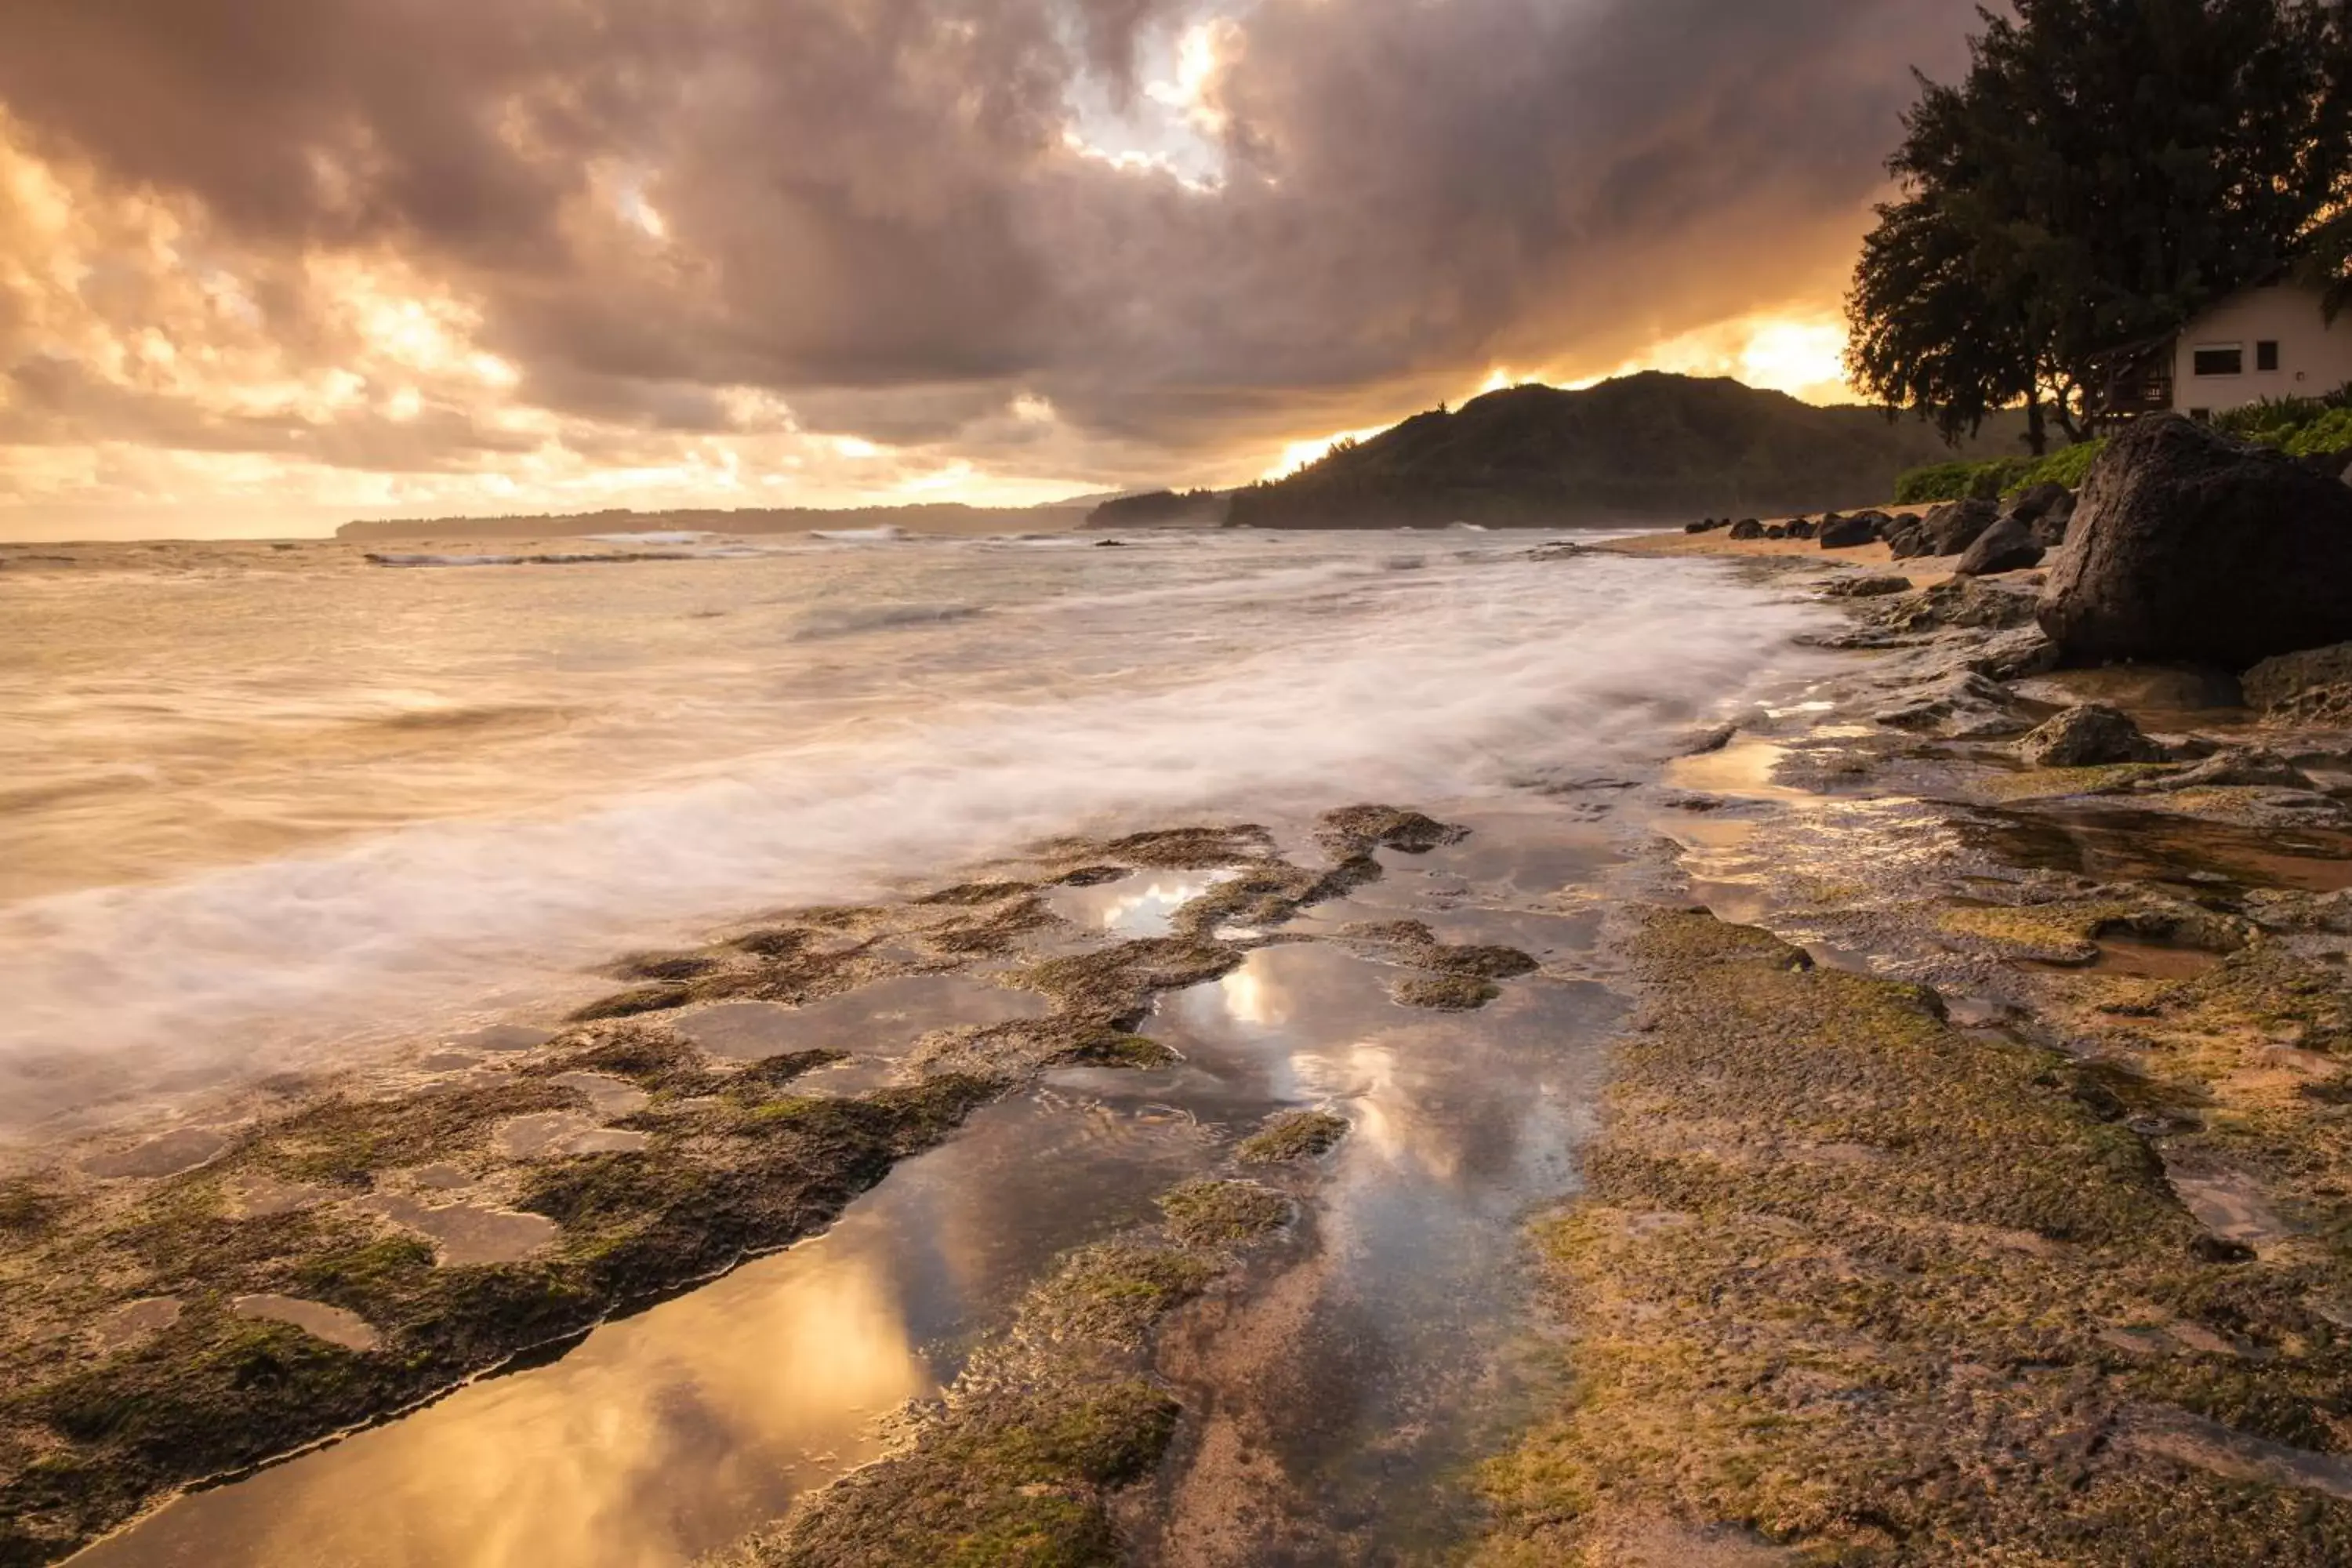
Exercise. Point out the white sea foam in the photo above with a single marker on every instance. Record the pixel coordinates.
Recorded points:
(887, 533)
(1313, 685)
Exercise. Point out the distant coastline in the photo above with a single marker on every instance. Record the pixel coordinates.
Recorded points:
(942, 518)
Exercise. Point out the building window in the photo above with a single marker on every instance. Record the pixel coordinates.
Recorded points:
(2219, 359)
(2203, 416)
(2266, 356)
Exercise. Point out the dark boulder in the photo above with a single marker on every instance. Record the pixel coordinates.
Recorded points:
(2190, 545)
(1954, 526)
(2049, 529)
(1801, 529)
(1848, 532)
(1776, 531)
(1708, 526)
(1748, 528)
(2007, 546)
(2329, 465)
(1905, 536)
(2035, 502)
(2091, 736)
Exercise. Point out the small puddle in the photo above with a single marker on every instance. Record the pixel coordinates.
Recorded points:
(166, 1156)
(465, 1234)
(2152, 960)
(609, 1098)
(548, 1133)
(333, 1324)
(253, 1196)
(1141, 904)
(885, 1017)
(134, 1320)
(2231, 1205)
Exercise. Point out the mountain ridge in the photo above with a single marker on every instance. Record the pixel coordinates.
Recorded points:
(1646, 447)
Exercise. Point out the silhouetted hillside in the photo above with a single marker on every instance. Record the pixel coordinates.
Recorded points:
(1161, 509)
(1642, 449)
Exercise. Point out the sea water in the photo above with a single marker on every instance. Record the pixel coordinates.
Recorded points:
(270, 808)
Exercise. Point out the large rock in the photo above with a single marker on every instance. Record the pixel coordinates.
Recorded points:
(2052, 529)
(2091, 736)
(2190, 545)
(1748, 528)
(2276, 682)
(2036, 501)
(1951, 529)
(1947, 529)
(1905, 536)
(1847, 532)
(2007, 546)
(2014, 655)
(2045, 509)
(2310, 687)
(1801, 528)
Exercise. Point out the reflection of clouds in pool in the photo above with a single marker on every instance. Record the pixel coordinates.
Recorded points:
(636, 1448)
(1139, 905)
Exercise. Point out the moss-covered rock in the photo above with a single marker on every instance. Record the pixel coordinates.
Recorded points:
(1875, 1289)
(1291, 1137)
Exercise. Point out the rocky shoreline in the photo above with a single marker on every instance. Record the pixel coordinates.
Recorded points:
(1979, 1187)
(187, 1308)
(1975, 1184)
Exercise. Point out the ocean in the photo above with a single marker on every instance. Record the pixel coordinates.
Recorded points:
(269, 808)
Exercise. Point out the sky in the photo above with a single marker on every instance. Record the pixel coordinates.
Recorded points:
(266, 266)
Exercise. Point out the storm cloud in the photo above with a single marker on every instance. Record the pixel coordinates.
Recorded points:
(1119, 240)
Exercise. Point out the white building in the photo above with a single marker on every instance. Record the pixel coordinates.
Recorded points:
(2267, 343)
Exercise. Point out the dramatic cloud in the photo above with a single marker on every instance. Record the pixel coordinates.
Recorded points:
(441, 251)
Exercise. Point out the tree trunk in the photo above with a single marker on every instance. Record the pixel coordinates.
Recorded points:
(2037, 428)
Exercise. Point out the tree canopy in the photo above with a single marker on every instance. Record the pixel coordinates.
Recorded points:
(2106, 169)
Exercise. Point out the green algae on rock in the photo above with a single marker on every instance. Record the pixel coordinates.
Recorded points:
(1020, 1463)
(1444, 993)
(1220, 1213)
(692, 1162)
(1291, 1137)
(1877, 1290)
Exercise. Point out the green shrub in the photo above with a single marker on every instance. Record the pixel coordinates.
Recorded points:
(2298, 427)
(1998, 477)
(1944, 481)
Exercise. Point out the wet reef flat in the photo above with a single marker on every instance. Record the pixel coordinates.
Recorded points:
(1975, 1182)
(189, 1306)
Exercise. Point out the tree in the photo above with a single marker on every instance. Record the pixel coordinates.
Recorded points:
(2328, 264)
(2106, 169)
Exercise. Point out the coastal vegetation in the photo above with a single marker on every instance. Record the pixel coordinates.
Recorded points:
(2102, 172)
(2299, 426)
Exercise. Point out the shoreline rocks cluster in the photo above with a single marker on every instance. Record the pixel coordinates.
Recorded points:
(1982, 1198)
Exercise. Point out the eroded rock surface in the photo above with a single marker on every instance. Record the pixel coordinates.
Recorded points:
(2189, 545)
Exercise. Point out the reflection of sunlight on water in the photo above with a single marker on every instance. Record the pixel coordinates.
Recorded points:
(705, 1413)
(1252, 997)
